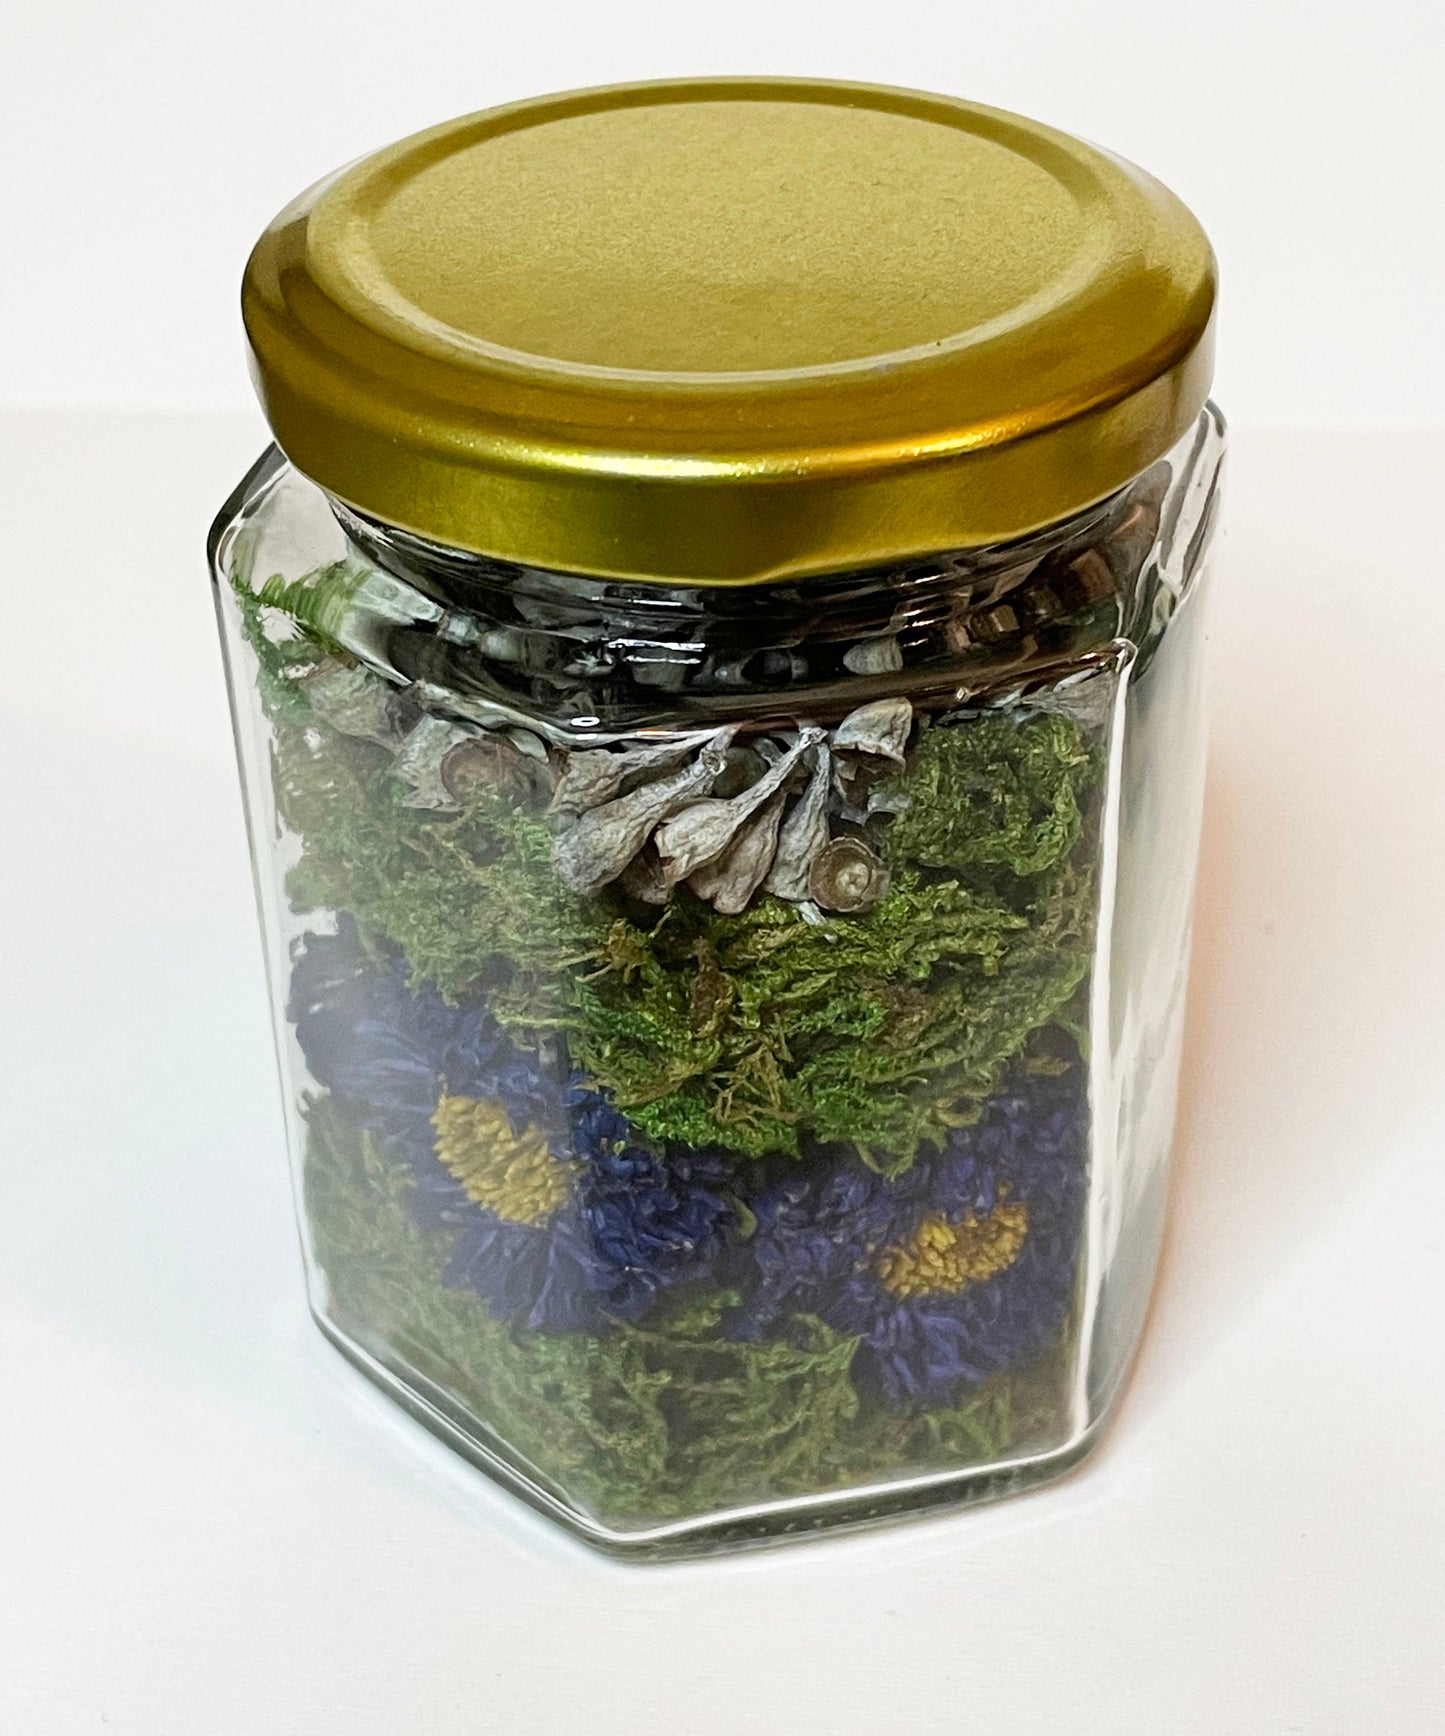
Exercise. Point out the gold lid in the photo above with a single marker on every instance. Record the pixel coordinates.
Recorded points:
(725, 330)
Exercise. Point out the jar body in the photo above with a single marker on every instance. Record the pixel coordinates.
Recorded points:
(729, 1036)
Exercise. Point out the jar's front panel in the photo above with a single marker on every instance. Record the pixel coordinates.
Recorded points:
(687, 1026)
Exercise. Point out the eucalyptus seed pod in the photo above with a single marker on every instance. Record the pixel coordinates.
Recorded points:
(485, 762)
(729, 882)
(804, 834)
(597, 775)
(700, 833)
(847, 876)
(418, 761)
(597, 848)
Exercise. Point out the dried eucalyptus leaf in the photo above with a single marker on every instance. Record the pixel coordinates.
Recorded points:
(352, 700)
(418, 761)
(803, 835)
(701, 832)
(604, 840)
(881, 727)
(729, 883)
(597, 775)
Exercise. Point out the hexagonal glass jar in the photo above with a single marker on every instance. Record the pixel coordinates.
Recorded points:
(755, 1118)
(729, 1013)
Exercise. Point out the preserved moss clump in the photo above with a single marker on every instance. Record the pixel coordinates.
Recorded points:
(471, 898)
(882, 1030)
(1000, 793)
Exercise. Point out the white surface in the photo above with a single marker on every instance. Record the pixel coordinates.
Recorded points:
(143, 146)
(212, 1527)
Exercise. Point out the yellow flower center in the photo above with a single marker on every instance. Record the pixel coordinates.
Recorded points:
(511, 1174)
(949, 1257)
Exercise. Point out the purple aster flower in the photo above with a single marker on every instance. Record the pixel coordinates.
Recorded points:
(958, 1268)
(562, 1215)
(385, 1045)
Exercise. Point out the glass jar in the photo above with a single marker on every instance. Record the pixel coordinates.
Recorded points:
(716, 673)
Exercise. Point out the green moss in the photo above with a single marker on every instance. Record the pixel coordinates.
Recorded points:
(641, 1425)
(883, 1030)
(993, 793)
(471, 899)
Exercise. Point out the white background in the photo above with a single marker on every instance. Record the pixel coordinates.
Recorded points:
(145, 143)
(208, 1525)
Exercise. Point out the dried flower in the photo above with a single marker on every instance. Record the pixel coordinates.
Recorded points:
(561, 1216)
(963, 1266)
(701, 832)
(596, 849)
(804, 833)
(880, 728)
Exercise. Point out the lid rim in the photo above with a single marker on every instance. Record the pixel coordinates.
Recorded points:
(713, 535)
(621, 472)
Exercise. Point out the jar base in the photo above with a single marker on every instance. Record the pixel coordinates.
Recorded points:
(753, 1526)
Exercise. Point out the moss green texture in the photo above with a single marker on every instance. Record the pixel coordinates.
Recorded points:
(646, 1424)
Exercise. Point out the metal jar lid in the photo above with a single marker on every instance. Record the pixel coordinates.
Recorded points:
(727, 330)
